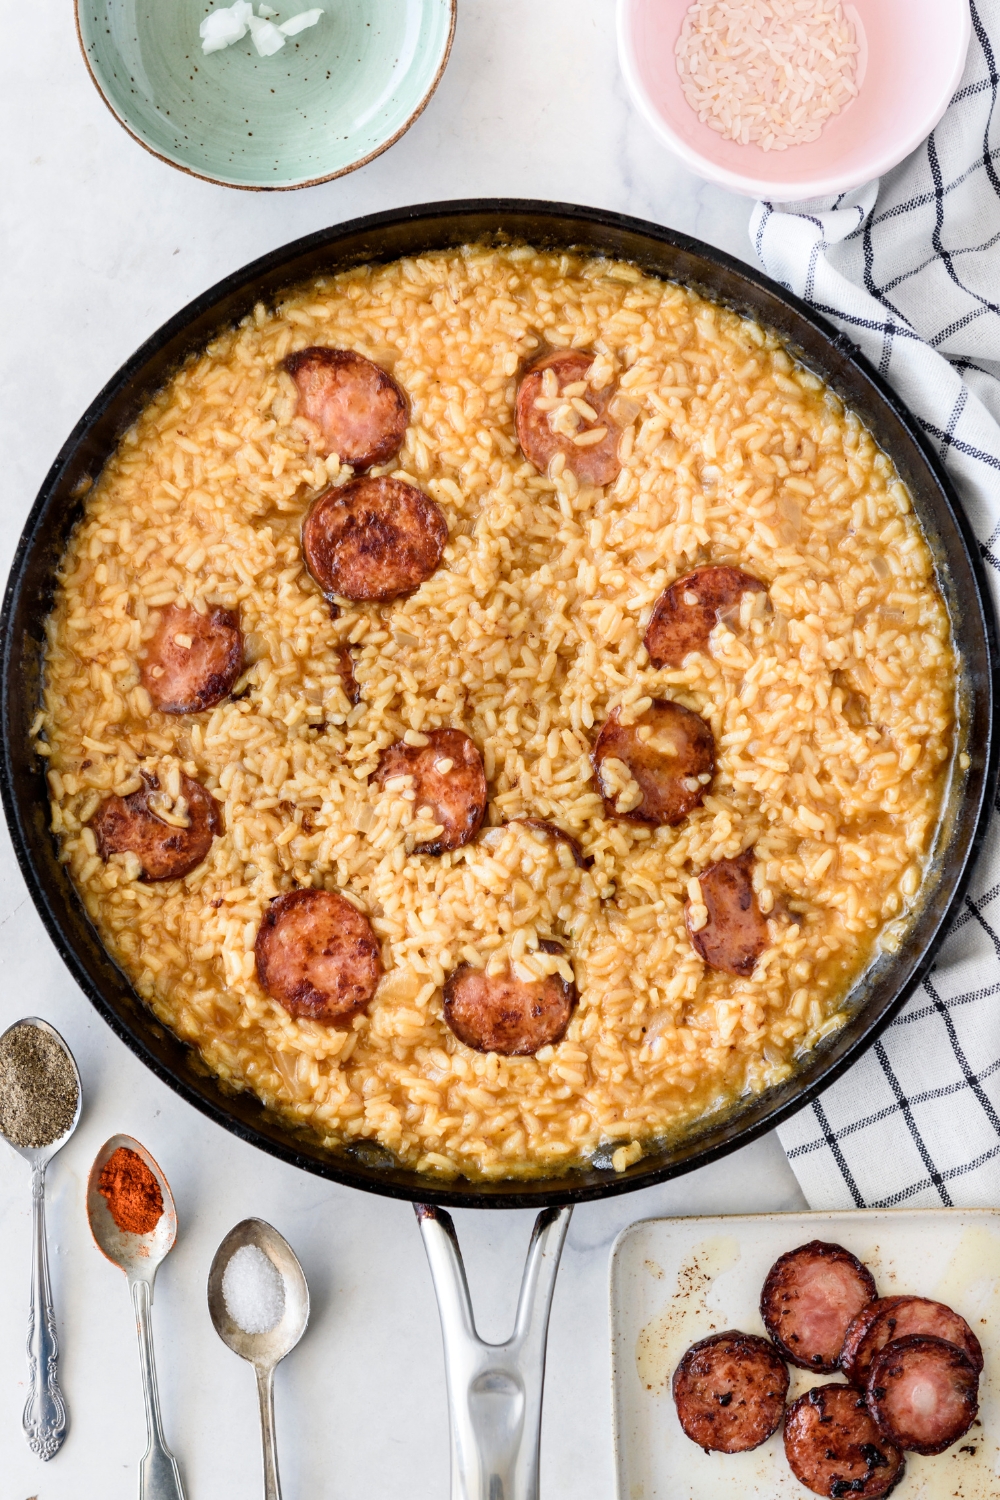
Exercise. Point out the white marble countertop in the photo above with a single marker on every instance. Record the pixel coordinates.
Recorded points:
(102, 243)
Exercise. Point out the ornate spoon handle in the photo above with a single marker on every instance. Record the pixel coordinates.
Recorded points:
(45, 1411)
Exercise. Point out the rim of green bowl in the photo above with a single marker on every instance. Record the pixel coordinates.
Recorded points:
(274, 187)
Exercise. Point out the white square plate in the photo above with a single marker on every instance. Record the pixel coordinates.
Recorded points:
(677, 1280)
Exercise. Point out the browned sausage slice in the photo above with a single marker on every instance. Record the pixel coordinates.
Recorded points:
(345, 667)
(592, 463)
(508, 1015)
(373, 539)
(923, 1392)
(834, 1446)
(192, 660)
(553, 831)
(688, 611)
(669, 757)
(166, 851)
(317, 956)
(896, 1318)
(735, 934)
(357, 406)
(448, 777)
(729, 1391)
(809, 1297)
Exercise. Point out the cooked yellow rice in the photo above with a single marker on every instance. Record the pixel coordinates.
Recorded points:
(832, 708)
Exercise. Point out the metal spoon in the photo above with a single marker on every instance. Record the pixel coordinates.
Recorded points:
(44, 1419)
(139, 1255)
(263, 1350)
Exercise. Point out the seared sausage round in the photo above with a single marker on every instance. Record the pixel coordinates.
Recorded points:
(448, 777)
(688, 611)
(508, 1015)
(553, 831)
(317, 956)
(729, 1391)
(735, 934)
(895, 1318)
(192, 660)
(165, 851)
(360, 410)
(923, 1392)
(672, 765)
(592, 463)
(809, 1297)
(373, 539)
(834, 1446)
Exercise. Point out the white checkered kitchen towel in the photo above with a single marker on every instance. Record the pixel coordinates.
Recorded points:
(909, 268)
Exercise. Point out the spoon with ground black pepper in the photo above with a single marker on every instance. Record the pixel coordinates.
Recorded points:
(133, 1219)
(40, 1099)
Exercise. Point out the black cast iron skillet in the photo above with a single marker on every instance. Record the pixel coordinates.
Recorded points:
(383, 237)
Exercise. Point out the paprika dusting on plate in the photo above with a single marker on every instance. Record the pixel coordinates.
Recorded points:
(132, 1192)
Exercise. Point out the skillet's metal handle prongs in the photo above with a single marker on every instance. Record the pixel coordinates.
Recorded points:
(159, 1476)
(494, 1390)
(265, 1395)
(44, 1418)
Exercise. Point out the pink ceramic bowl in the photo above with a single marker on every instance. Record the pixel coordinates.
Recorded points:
(911, 62)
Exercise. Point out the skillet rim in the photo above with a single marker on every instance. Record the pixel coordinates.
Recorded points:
(593, 230)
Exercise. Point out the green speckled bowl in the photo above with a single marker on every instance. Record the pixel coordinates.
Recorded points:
(334, 96)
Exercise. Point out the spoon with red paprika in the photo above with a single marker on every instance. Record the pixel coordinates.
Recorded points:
(133, 1219)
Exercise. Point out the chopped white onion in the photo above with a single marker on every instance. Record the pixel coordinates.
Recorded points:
(266, 36)
(225, 25)
(228, 24)
(299, 23)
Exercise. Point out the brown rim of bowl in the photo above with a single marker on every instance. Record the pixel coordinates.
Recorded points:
(273, 187)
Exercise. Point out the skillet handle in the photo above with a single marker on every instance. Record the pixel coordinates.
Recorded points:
(494, 1390)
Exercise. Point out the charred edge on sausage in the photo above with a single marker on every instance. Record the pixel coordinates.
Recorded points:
(735, 934)
(688, 611)
(597, 464)
(729, 1390)
(360, 410)
(130, 825)
(809, 1297)
(456, 797)
(898, 1382)
(373, 540)
(506, 1015)
(317, 955)
(670, 784)
(835, 1448)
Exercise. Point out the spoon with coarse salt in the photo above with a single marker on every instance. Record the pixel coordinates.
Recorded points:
(259, 1302)
(40, 1099)
(133, 1219)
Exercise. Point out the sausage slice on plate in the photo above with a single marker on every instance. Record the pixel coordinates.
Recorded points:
(373, 539)
(166, 850)
(892, 1318)
(658, 769)
(688, 611)
(192, 660)
(448, 778)
(501, 1013)
(735, 934)
(360, 410)
(834, 1446)
(553, 831)
(729, 1391)
(317, 956)
(593, 462)
(809, 1297)
(923, 1392)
